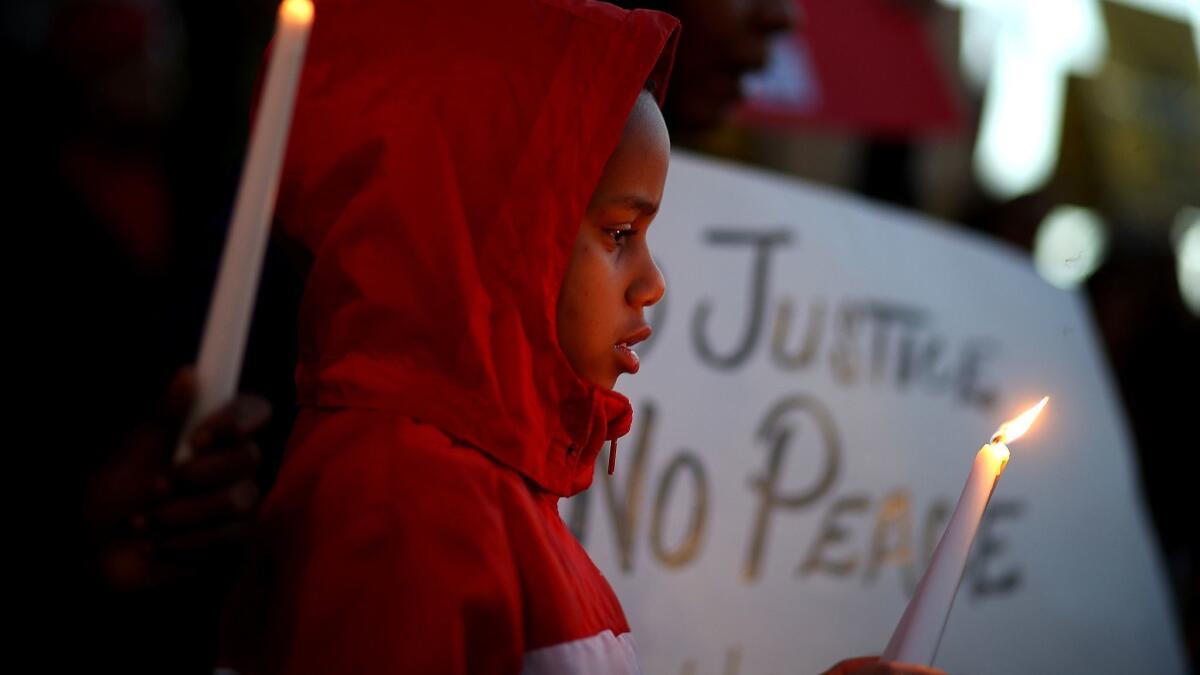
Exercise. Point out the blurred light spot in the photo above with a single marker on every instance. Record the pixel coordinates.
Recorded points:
(787, 77)
(1018, 138)
(1187, 256)
(1070, 244)
(1020, 53)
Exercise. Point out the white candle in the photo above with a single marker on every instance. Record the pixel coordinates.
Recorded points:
(230, 309)
(919, 631)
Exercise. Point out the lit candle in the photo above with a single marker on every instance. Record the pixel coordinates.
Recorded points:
(916, 637)
(229, 311)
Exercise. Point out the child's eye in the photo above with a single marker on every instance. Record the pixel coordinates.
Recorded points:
(618, 234)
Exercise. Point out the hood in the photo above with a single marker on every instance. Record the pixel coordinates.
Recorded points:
(440, 162)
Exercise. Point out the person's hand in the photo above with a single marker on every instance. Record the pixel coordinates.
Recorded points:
(871, 665)
(151, 521)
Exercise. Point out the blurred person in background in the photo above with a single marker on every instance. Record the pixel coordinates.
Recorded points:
(722, 40)
(129, 153)
(726, 40)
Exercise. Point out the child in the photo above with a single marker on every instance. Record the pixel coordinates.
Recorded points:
(442, 158)
(473, 182)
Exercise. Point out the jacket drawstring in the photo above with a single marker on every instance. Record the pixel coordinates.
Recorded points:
(612, 456)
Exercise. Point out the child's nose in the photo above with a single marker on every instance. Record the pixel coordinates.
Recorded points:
(648, 286)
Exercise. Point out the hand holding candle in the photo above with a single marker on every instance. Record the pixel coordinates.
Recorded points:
(916, 637)
(229, 312)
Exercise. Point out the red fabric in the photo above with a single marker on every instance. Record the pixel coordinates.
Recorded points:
(440, 161)
(873, 70)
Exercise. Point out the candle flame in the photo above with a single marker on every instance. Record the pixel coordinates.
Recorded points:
(1016, 427)
(296, 11)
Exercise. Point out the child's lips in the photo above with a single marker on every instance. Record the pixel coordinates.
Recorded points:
(636, 336)
(626, 355)
(628, 358)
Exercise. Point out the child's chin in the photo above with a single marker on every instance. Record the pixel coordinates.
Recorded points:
(609, 382)
(603, 381)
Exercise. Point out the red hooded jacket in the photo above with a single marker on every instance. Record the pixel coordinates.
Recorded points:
(440, 162)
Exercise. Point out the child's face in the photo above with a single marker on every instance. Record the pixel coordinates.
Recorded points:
(611, 277)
